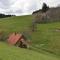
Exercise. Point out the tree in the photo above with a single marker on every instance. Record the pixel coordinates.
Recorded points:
(44, 7)
(4, 15)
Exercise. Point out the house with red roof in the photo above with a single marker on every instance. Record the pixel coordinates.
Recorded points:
(18, 40)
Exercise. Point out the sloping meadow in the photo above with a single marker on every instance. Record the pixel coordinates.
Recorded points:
(46, 36)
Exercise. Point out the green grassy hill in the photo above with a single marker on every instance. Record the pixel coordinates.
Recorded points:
(8, 52)
(15, 23)
(45, 39)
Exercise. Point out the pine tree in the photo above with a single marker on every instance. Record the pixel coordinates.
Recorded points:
(44, 7)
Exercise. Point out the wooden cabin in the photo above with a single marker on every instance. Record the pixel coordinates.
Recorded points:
(18, 40)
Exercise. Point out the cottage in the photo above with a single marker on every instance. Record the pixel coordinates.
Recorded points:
(18, 40)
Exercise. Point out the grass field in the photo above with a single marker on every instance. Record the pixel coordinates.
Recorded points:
(15, 23)
(45, 39)
(8, 52)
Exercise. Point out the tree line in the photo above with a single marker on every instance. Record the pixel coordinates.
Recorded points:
(4, 15)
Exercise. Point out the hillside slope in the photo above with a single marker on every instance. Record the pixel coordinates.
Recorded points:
(12, 24)
(47, 36)
(8, 52)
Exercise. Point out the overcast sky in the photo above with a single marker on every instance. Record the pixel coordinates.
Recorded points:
(22, 7)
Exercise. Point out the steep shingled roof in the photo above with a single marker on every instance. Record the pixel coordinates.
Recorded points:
(13, 38)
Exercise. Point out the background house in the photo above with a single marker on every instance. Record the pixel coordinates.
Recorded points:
(51, 15)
